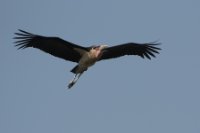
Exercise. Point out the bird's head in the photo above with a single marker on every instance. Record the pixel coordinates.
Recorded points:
(100, 47)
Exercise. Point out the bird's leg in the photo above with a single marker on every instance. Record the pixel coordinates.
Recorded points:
(72, 82)
(75, 79)
(79, 76)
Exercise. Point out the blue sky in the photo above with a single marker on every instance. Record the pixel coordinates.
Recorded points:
(127, 94)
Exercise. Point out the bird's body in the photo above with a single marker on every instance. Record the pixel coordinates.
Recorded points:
(89, 58)
(84, 56)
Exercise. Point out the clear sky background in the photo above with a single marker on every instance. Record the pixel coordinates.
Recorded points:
(128, 94)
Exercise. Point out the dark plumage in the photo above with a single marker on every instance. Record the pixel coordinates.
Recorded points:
(84, 56)
(147, 50)
(52, 45)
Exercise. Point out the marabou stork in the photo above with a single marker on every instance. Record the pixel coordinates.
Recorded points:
(84, 56)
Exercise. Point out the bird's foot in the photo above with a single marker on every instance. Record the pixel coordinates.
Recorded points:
(71, 83)
(75, 79)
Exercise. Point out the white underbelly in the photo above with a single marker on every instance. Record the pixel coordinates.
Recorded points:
(87, 61)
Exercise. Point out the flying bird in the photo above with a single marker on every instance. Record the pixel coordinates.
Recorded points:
(85, 57)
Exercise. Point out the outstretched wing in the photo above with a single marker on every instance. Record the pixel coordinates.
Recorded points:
(52, 45)
(147, 50)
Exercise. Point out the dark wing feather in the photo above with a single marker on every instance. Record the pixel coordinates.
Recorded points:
(147, 50)
(52, 45)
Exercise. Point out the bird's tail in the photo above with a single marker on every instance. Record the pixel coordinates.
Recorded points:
(74, 69)
(78, 69)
